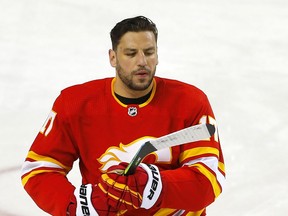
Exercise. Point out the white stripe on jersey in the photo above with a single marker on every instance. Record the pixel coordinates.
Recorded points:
(28, 166)
(212, 163)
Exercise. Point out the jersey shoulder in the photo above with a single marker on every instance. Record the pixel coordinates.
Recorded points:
(179, 89)
(89, 88)
(86, 96)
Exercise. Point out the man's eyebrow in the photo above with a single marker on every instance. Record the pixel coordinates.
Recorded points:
(133, 49)
(150, 48)
(130, 50)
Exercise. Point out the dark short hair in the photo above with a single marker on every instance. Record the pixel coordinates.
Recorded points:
(134, 24)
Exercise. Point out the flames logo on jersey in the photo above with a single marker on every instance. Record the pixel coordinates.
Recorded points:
(124, 153)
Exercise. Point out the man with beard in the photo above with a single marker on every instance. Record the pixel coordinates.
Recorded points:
(104, 122)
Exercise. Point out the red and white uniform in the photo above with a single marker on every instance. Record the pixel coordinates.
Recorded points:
(89, 123)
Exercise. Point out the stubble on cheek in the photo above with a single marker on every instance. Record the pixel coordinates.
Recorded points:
(134, 81)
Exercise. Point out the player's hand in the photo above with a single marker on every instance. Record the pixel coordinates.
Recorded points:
(89, 200)
(139, 190)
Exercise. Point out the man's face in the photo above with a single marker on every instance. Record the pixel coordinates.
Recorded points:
(135, 61)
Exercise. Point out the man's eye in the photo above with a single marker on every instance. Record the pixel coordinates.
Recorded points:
(130, 54)
(149, 53)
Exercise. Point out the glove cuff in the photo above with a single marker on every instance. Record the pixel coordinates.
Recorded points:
(84, 204)
(153, 187)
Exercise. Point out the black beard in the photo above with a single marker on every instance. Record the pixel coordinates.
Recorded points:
(127, 80)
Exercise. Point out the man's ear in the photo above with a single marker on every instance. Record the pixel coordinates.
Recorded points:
(112, 57)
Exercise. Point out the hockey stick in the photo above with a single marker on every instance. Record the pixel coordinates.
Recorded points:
(187, 135)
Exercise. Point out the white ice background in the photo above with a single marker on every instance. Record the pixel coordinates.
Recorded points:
(236, 51)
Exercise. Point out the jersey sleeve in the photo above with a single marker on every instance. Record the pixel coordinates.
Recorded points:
(200, 178)
(49, 160)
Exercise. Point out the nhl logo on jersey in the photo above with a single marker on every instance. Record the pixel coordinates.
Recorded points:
(132, 111)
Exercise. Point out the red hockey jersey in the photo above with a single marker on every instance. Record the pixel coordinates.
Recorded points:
(89, 123)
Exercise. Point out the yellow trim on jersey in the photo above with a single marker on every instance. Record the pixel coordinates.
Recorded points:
(113, 93)
(198, 151)
(37, 157)
(221, 166)
(36, 172)
(165, 211)
(211, 177)
(151, 96)
(169, 211)
(140, 105)
(198, 213)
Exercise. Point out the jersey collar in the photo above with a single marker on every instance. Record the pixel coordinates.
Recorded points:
(140, 105)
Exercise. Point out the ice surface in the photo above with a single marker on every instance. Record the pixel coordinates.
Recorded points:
(234, 50)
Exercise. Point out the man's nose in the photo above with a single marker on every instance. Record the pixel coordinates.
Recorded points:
(141, 59)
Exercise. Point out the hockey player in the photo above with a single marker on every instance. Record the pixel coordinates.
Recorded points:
(104, 122)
